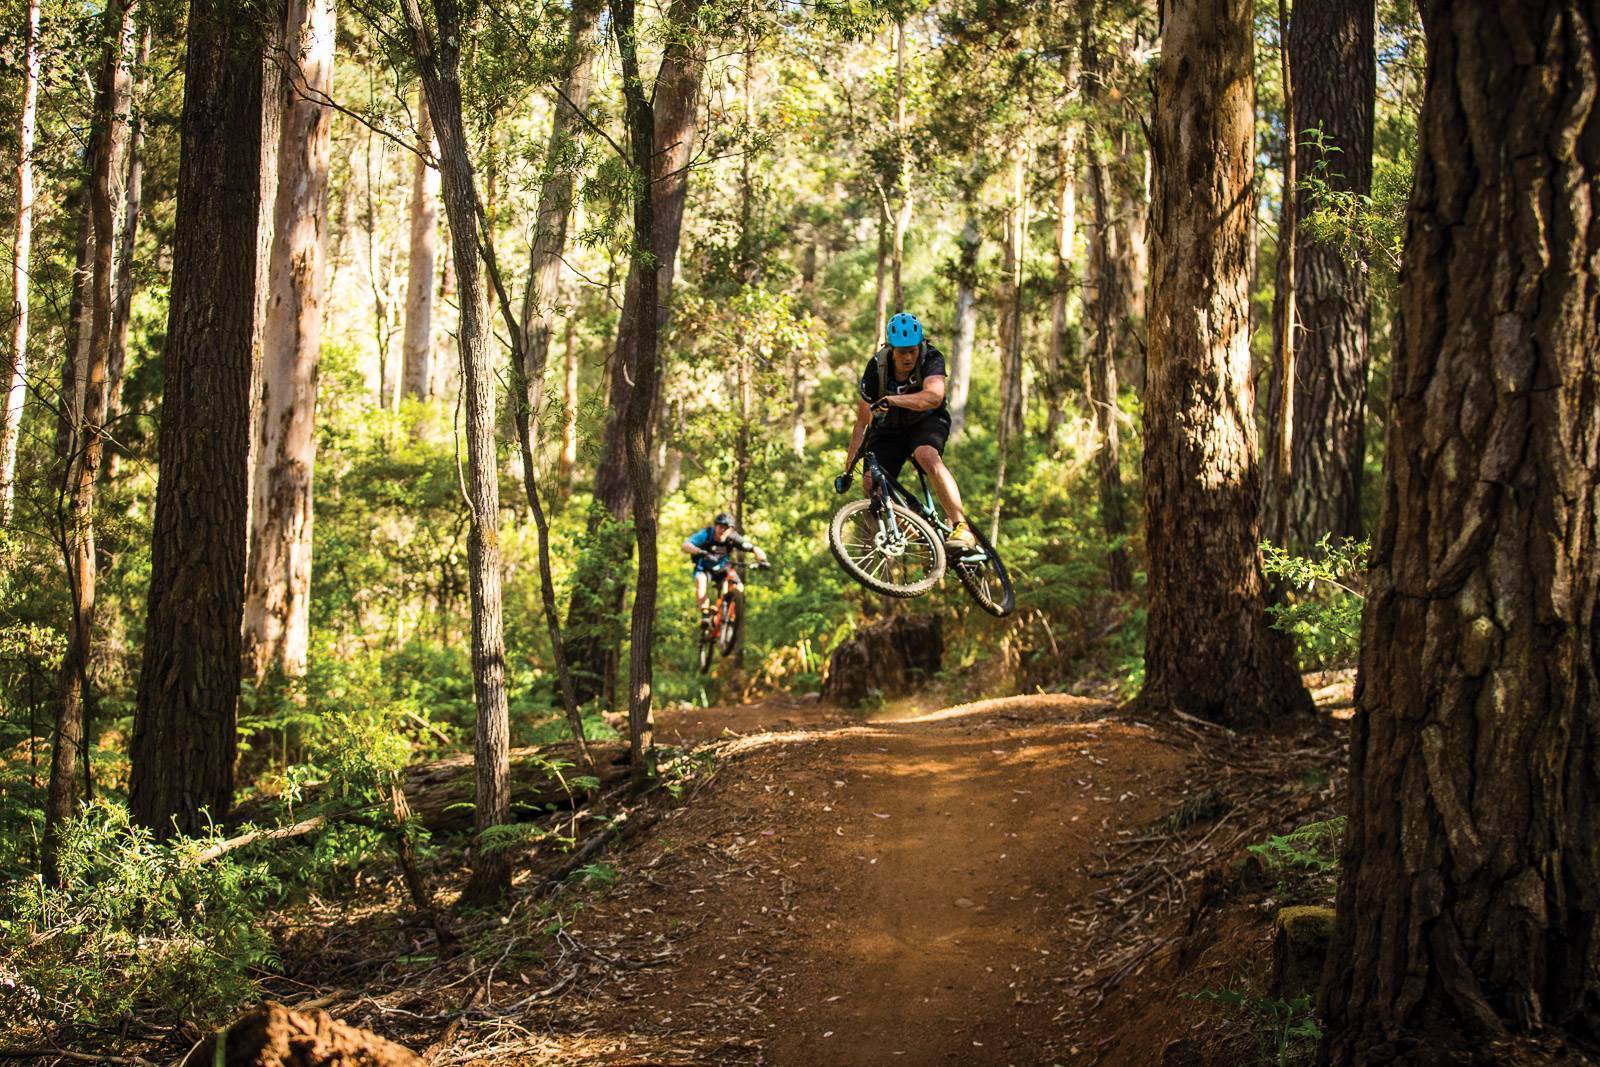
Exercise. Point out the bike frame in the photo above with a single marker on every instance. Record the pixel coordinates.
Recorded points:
(887, 492)
(732, 578)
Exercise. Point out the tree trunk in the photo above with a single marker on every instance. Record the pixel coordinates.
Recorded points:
(592, 640)
(1055, 384)
(77, 533)
(555, 206)
(1106, 299)
(438, 55)
(1331, 45)
(641, 123)
(184, 735)
(277, 606)
(1208, 651)
(881, 299)
(80, 313)
(14, 376)
(568, 462)
(1280, 468)
(1012, 400)
(902, 214)
(961, 347)
(422, 263)
(1133, 256)
(127, 242)
(1468, 913)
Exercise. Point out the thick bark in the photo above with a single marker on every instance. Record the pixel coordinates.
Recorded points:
(127, 242)
(184, 738)
(962, 344)
(641, 123)
(555, 207)
(1209, 651)
(592, 640)
(13, 377)
(422, 261)
(1107, 301)
(1331, 45)
(77, 531)
(438, 53)
(277, 606)
(1469, 907)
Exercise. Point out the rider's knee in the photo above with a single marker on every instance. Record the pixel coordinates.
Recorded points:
(927, 457)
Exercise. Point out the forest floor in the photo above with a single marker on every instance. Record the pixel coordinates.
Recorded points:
(1025, 880)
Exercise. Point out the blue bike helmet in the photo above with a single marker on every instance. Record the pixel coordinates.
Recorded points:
(905, 330)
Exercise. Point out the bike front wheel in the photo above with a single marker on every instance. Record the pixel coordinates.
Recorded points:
(706, 646)
(984, 576)
(903, 558)
(732, 622)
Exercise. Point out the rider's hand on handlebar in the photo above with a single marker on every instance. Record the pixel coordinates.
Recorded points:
(841, 484)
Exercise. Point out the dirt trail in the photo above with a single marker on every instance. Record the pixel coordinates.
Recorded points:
(849, 892)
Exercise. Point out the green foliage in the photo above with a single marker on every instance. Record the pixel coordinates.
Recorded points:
(1367, 229)
(1324, 612)
(1305, 861)
(1288, 1027)
(138, 929)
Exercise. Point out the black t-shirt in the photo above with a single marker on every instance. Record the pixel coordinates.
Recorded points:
(932, 364)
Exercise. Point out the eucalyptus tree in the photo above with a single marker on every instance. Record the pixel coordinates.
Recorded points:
(1467, 913)
(1209, 651)
(14, 377)
(184, 732)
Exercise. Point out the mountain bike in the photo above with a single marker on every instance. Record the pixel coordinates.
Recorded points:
(722, 630)
(892, 542)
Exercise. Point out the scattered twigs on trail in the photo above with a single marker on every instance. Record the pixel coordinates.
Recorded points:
(42, 1055)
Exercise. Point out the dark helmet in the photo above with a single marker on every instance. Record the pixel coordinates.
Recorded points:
(722, 519)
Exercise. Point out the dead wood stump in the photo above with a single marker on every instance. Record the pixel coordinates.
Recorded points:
(274, 1036)
(1300, 947)
(893, 656)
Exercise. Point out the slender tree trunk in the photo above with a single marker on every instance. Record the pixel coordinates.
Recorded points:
(555, 206)
(1280, 468)
(641, 122)
(80, 315)
(902, 137)
(1102, 366)
(1013, 402)
(592, 640)
(1133, 255)
(77, 532)
(1208, 651)
(438, 55)
(1331, 45)
(1060, 302)
(277, 606)
(1468, 913)
(184, 736)
(568, 463)
(962, 345)
(127, 244)
(881, 300)
(14, 376)
(422, 262)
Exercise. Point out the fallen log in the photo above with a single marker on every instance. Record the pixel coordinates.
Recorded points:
(274, 1036)
(440, 792)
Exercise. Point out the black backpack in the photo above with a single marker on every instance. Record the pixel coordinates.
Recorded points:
(882, 358)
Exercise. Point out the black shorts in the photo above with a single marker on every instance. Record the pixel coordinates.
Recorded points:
(893, 445)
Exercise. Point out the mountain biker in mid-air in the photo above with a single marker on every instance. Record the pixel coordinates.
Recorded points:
(711, 548)
(907, 377)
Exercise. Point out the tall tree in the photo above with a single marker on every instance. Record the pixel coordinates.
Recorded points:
(127, 244)
(184, 736)
(1331, 46)
(1013, 400)
(641, 123)
(555, 203)
(901, 211)
(77, 523)
(1279, 465)
(675, 102)
(965, 272)
(277, 605)
(422, 266)
(14, 376)
(1208, 650)
(1467, 911)
(437, 49)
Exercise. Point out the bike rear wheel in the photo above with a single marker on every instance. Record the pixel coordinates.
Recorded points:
(985, 578)
(732, 622)
(905, 561)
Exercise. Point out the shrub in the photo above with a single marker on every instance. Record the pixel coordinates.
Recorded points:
(1325, 615)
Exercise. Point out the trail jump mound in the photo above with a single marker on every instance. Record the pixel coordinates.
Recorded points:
(895, 656)
(274, 1036)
